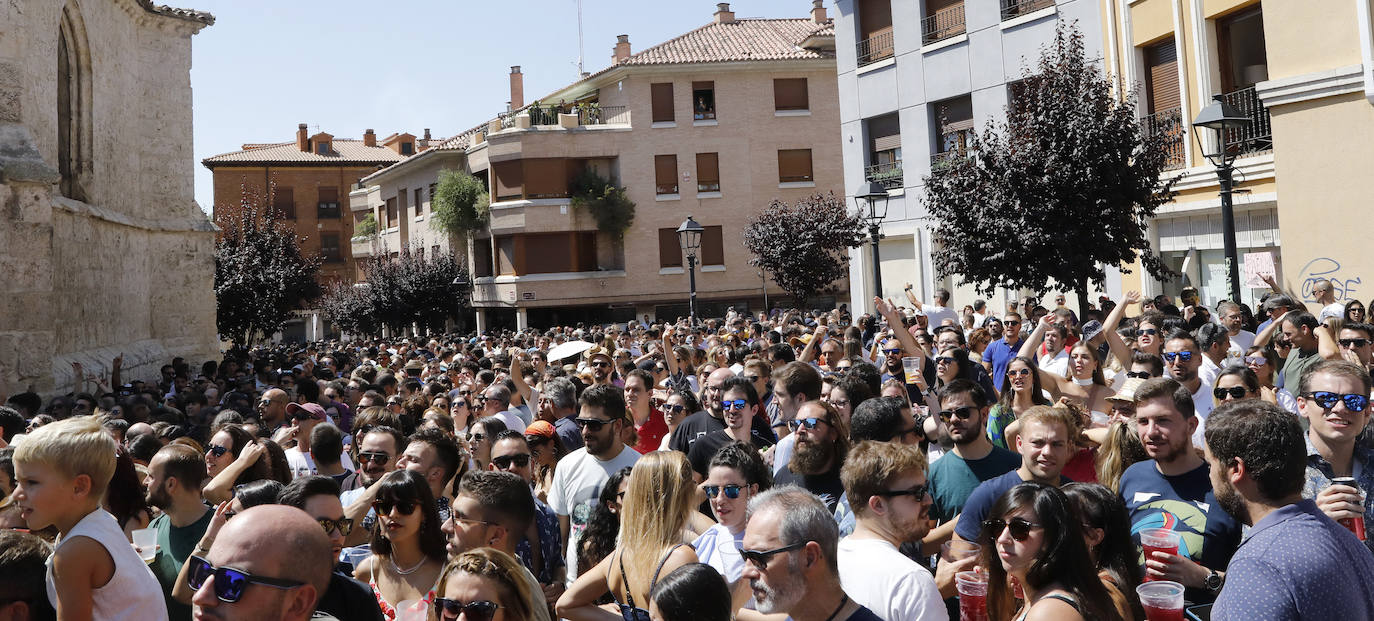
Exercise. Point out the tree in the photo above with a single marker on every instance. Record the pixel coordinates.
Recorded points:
(461, 203)
(260, 275)
(1066, 185)
(804, 246)
(414, 289)
(349, 308)
(608, 203)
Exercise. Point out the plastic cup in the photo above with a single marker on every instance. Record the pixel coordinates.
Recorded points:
(145, 541)
(911, 366)
(412, 610)
(973, 595)
(1158, 540)
(1162, 600)
(954, 550)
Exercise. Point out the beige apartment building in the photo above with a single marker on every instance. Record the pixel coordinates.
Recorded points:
(713, 124)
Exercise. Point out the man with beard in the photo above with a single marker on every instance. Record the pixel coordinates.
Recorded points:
(1329, 390)
(1173, 490)
(1045, 447)
(175, 475)
(886, 486)
(539, 548)
(790, 559)
(1182, 359)
(822, 444)
(580, 474)
(378, 453)
(739, 404)
(318, 496)
(601, 364)
(1296, 563)
(973, 460)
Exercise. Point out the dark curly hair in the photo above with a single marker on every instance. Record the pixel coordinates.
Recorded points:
(599, 538)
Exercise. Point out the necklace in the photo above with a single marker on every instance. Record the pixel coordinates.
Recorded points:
(405, 572)
(1083, 382)
(838, 608)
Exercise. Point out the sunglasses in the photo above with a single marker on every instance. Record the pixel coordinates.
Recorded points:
(1138, 374)
(379, 459)
(736, 404)
(593, 424)
(505, 461)
(893, 352)
(1236, 392)
(1353, 342)
(1019, 528)
(676, 408)
(216, 450)
(458, 404)
(481, 610)
(1256, 360)
(230, 583)
(1146, 332)
(917, 492)
(944, 360)
(808, 423)
(344, 525)
(1182, 356)
(1018, 372)
(383, 507)
(760, 558)
(963, 413)
(731, 490)
(1353, 402)
(601, 363)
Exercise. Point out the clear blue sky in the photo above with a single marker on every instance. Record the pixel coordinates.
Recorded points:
(404, 65)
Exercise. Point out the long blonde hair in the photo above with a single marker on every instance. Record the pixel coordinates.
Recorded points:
(1121, 449)
(656, 507)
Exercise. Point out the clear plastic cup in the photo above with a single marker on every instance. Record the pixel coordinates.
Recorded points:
(911, 366)
(145, 541)
(1158, 540)
(954, 550)
(1162, 600)
(973, 595)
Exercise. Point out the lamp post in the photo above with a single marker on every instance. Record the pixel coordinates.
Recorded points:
(874, 197)
(1221, 117)
(689, 234)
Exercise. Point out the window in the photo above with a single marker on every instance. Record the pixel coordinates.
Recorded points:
(885, 151)
(481, 258)
(703, 101)
(794, 165)
(1242, 60)
(954, 118)
(392, 216)
(509, 178)
(407, 148)
(1161, 77)
(708, 172)
(329, 248)
(284, 201)
(669, 248)
(662, 101)
(73, 104)
(546, 177)
(665, 174)
(328, 205)
(402, 203)
(322, 147)
(944, 19)
(790, 94)
(434, 186)
(419, 206)
(875, 31)
(505, 255)
(712, 246)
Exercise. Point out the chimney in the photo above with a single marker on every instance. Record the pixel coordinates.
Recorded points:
(723, 13)
(622, 49)
(818, 11)
(369, 138)
(517, 88)
(302, 139)
(426, 138)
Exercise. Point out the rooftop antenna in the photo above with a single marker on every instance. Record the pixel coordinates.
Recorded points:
(579, 38)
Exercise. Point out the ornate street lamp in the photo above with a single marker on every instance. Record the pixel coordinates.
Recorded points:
(874, 197)
(1221, 117)
(689, 234)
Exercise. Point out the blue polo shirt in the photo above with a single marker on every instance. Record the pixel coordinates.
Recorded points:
(999, 353)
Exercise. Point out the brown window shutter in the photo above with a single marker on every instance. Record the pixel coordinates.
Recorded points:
(548, 253)
(665, 174)
(481, 257)
(885, 132)
(790, 94)
(712, 246)
(662, 102)
(708, 169)
(545, 178)
(509, 180)
(1161, 71)
(329, 194)
(935, 6)
(703, 86)
(505, 255)
(874, 15)
(586, 251)
(794, 165)
(669, 248)
(284, 201)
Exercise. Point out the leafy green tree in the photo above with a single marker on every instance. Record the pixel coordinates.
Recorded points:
(608, 203)
(1066, 185)
(461, 203)
(803, 246)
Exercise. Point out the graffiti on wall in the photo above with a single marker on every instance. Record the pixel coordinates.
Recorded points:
(1325, 268)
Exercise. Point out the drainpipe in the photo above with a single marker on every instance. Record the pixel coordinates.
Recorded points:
(1363, 16)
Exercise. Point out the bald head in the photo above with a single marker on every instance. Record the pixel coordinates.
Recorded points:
(272, 406)
(277, 541)
(711, 393)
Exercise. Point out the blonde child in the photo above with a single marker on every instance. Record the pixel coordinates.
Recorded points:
(94, 574)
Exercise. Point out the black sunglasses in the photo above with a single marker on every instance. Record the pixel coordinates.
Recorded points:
(1236, 392)
(1138, 374)
(481, 610)
(893, 352)
(917, 492)
(377, 458)
(1146, 332)
(761, 558)
(505, 461)
(731, 490)
(675, 408)
(1353, 342)
(1019, 528)
(344, 525)
(601, 363)
(594, 424)
(1353, 402)
(808, 423)
(964, 413)
(216, 450)
(383, 507)
(229, 582)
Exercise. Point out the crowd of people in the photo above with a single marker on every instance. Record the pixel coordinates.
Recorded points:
(920, 462)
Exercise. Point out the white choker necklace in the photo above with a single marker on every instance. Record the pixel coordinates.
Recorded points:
(1083, 382)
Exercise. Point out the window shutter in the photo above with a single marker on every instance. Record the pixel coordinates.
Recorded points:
(885, 133)
(712, 246)
(662, 102)
(669, 248)
(794, 165)
(545, 178)
(955, 115)
(665, 173)
(1161, 63)
(790, 94)
(708, 169)
(509, 180)
(505, 255)
(329, 194)
(284, 200)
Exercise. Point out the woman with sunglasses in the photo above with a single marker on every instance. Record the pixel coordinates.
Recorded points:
(461, 412)
(657, 504)
(736, 474)
(847, 392)
(1020, 392)
(677, 407)
(246, 496)
(233, 457)
(546, 449)
(408, 548)
(480, 435)
(1265, 361)
(1234, 384)
(1034, 536)
(482, 585)
(1354, 312)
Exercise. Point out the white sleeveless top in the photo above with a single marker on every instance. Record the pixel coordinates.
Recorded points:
(133, 592)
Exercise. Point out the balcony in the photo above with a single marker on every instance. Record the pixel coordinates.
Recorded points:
(363, 246)
(1016, 8)
(887, 174)
(1256, 138)
(943, 24)
(1170, 124)
(603, 115)
(877, 47)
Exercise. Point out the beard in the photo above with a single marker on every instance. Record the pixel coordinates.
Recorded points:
(1232, 502)
(159, 498)
(779, 597)
(811, 457)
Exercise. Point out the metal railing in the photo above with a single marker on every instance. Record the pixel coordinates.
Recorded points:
(875, 48)
(1168, 123)
(662, 189)
(1258, 136)
(603, 115)
(943, 24)
(887, 174)
(713, 186)
(543, 115)
(1017, 8)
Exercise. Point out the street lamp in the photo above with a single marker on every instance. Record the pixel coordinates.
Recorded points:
(689, 233)
(1221, 117)
(873, 196)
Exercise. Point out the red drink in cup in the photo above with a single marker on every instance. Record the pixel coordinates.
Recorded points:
(1158, 540)
(1355, 524)
(1162, 600)
(973, 595)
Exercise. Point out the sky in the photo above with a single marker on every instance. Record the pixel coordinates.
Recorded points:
(343, 66)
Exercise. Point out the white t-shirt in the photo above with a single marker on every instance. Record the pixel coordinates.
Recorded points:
(1202, 408)
(1058, 365)
(938, 314)
(1240, 342)
(885, 581)
(133, 592)
(782, 452)
(303, 465)
(716, 547)
(577, 488)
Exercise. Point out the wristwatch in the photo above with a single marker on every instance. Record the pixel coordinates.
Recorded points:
(1213, 581)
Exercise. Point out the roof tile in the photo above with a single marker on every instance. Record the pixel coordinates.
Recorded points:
(741, 40)
(345, 151)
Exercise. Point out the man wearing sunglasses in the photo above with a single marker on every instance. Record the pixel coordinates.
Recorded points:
(887, 489)
(272, 409)
(495, 401)
(345, 598)
(822, 442)
(175, 477)
(379, 453)
(739, 403)
(999, 353)
(601, 364)
(494, 510)
(964, 408)
(1182, 359)
(1045, 448)
(542, 553)
(1357, 344)
(269, 563)
(1230, 315)
(1329, 390)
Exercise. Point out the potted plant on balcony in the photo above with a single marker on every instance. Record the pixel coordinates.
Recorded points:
(609, 205)
(461, 204)
(366, 229)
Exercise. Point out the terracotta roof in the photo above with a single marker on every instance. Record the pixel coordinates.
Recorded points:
(741, 40)
(824, 30)
(186, 14)
(346, 151)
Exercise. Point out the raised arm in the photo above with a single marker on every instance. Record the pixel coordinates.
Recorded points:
(911, 297)
(1327, 346)
(894, 321)
(669, 357)
(1036, 336)
(809, 352)
(221, 488)
(517, 374)
(1118, 347)
(1267, 333)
